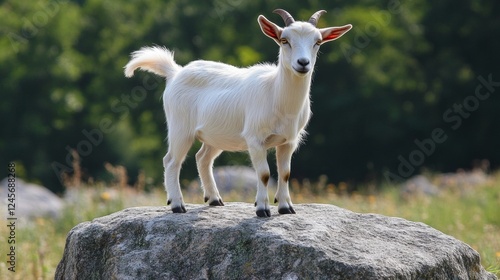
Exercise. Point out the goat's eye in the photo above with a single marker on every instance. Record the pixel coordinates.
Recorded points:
(318, 42)
(284, 41)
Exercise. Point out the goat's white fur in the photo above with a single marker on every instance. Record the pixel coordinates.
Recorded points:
(234, 109)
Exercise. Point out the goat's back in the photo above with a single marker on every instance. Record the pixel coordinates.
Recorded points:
(210, 85)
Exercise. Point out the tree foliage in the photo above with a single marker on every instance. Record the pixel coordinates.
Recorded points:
(379, 93)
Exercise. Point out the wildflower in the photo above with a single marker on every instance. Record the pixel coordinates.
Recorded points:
(105, 196)
(40, 221)
(372, 199)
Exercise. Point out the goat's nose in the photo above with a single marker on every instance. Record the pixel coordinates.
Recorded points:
(303, 61)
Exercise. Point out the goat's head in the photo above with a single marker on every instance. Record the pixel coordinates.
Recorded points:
(299, 41)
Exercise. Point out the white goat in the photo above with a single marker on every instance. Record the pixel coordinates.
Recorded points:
(236, 109)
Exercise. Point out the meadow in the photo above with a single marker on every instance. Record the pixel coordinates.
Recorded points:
(473, 217)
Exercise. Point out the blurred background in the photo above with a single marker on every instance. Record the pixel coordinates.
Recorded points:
(406, 111)
(413, 87)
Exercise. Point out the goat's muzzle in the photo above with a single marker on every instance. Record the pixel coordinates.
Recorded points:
(303, 66)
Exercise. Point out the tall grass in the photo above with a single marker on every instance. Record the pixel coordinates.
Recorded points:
(473, 218)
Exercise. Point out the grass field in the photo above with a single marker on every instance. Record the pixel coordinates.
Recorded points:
(473, 218)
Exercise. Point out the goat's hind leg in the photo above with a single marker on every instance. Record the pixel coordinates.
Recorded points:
(177, 151)
(204, 161)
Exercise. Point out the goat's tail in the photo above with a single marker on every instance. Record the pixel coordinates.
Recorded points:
(158, 60)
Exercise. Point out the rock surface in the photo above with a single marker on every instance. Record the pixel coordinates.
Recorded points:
(319, 242)
(32, 200)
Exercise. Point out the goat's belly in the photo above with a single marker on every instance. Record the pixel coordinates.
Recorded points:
(223, 142)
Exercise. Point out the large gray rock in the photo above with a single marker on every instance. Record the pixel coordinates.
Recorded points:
(319, 242)
(31, 200)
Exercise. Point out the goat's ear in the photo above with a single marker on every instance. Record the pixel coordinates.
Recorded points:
(270, 29)
(333, 33)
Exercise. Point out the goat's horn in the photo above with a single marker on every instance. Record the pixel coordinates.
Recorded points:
(285, 15)
(315, 17)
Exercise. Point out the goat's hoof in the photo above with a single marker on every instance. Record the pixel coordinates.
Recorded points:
(264, 213)
(216, 203)
(179, 209)
(288, 210)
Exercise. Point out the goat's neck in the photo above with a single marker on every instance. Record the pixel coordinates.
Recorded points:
(292, 91)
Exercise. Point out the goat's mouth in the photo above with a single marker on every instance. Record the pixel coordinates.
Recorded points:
(301, 70)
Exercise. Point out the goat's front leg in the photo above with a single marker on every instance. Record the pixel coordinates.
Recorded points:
(204, 161)
(283, 158)
(258, 155)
